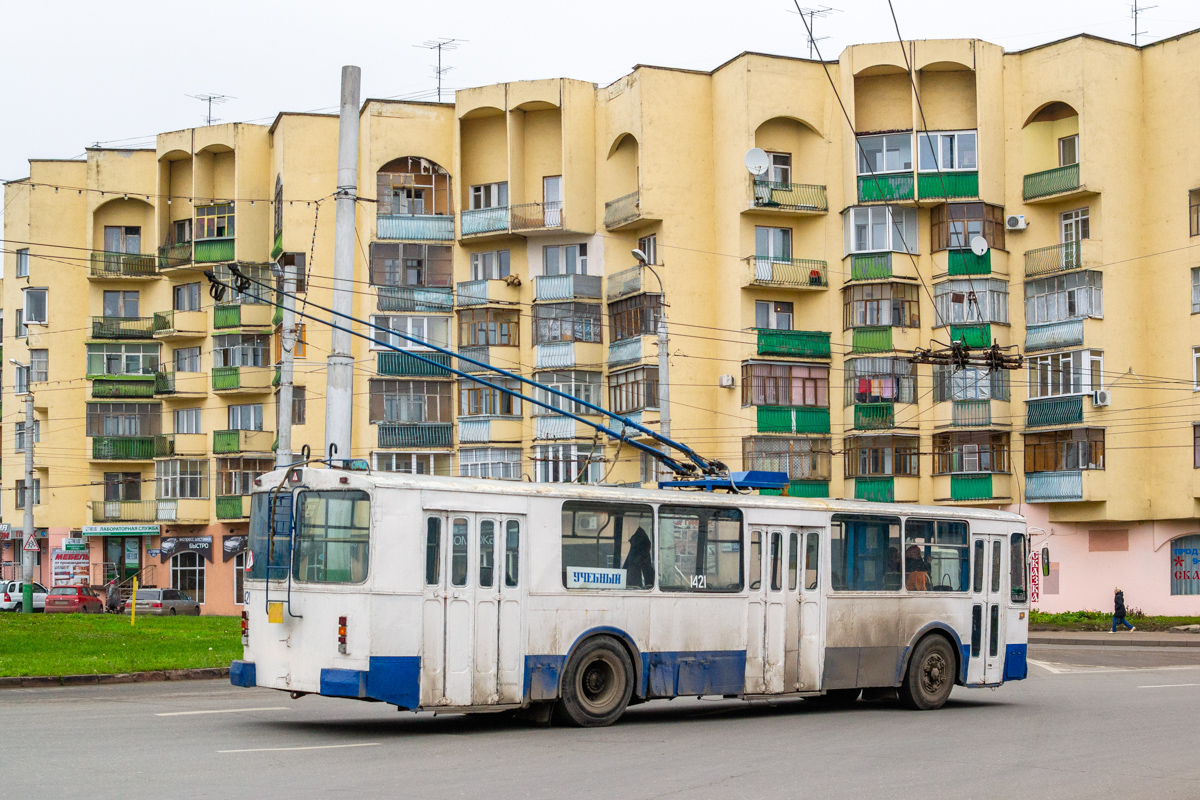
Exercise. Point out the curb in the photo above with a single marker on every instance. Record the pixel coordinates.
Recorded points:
(1116, 641)
(44, 681)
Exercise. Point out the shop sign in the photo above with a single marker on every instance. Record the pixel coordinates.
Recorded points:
(68, 567)
(122, 530)
(132, 548)
(75, 545)
(1185, 565)
(232, 545)
(171, 546)
(1035, 576)
(152, 552)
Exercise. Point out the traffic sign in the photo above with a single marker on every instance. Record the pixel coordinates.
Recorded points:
(31, 544)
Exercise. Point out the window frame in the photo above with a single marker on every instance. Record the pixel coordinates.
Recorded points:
(765, 380)
(214, 221)
(410, 323)
(32, 292)
(472, 464)
(990, 308)
(1064, 451)
(952, 226)
(393, 399)
(1045, 373)
(865, 169)
(845, 580)
(894, 219)
(888, 304)
(188, 563)
(704, 514)
(882, 456)
(938, 153)
(357, 541)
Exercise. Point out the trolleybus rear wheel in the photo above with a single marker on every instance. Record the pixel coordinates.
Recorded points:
(930, 675)
(596, 684)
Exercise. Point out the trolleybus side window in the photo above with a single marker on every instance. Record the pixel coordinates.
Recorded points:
(433, 550)
(274, 552)
(333, 537)
(979, 567)
(976, 630)
(865, 553)
(935, 555)
(459, 531)
(793, 561)
(512, 552)
(996, 566)
(776, 562)
(606, 546)
(1019, 567)
(487, 552)
(811, 560)
(700, 549)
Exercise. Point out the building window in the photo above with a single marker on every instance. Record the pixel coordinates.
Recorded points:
(1074, 295)
(779, 169)
(947, 152)
(566, 322)
(1185, 565)
(241, 350)
(23, 262)
(1195, 446)
(802, 458)
(121, 304)
(1054, 451)
(952, 226)
(773, 315)
(122, 239)
(412, 185)
(410, 264)
(239, 579)
(236, 476)
(299, 405)
(489, 195)
(187, 575)
(37, 492)
(215, 221)
(1061, 374)
(577, 383)
(21, 380)
(181, 231)
(565, 259)
(879, 380)
(430, 330)
(187, 359)
(634, 316)
(476, 399)
(124, 419)
(490, 266)
(1068, 150)
(970, 383)
(186, 297)
(412, 463)
(873, 229)
(773, 243)
(649, 247)
(766, 384)
(970, 452)
(403, 402)
(296, 261)
(299, 345)
(247, 417)
(978, 301)
(568, 463)
(480, 327)
(39, 365)
(183, 478)
(123, 359)
(490, 462)
(278, 207)
(19, 326)
(35, 306)
(889, 153)
(874, 456)
(872, 304)
(257, 294)
(1195, 290)
(1075, 225)
(633, 390)
(1193, 214)
(187, 420)
(19, 435)
(1196, 369)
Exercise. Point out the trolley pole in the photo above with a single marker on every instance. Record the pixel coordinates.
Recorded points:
(283, 450)
(26, 555)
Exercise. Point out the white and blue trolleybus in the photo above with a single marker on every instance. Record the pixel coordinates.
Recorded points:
(435, 593)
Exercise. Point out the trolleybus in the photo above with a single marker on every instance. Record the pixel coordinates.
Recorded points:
(457, 594)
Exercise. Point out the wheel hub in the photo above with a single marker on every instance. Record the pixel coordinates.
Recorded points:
(933, 676)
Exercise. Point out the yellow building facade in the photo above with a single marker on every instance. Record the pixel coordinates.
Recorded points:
(1040, 200)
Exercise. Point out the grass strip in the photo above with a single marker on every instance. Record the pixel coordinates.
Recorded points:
(1101, 621)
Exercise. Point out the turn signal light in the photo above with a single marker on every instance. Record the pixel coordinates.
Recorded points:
(342, 635)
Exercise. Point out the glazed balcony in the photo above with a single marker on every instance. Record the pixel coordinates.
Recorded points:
(114, 388)
(787, 273)
(242, 380)
(235, 506)
(416, 434)
(791, 419)
(484, 292)
(537, 216)
(626, 283)
(124, 511)
(123, 448)
(796, 344)
(1052, 184)
(430, 299)
(122, 327)
(481, 429)
(405, 365)
(557, 427)
(480, 221)
(1054, 411)
(225, 442)
(624, 211)
(885, 188)
(1054, 336)
(175, 325)
(242, 315)
(173, 256)
(209, 251)
(567, 287)
(631, 350)
(1054, 487)
(565, 355)
(168, 445)
(802, 198)
(415, 227)
(122, 266)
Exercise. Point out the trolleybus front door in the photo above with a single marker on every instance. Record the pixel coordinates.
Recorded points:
(773, 621)
(811, 613)
(497, 624)
(987, 619)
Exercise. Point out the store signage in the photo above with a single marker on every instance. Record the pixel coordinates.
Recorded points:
(68, 568)
(232, 545)
(1035, 576)
(171, 546)
(75, 545)
(122, 530)
(132, 548)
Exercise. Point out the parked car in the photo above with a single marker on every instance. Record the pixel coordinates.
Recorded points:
(164, 603)
(74, 600)
(10, 596)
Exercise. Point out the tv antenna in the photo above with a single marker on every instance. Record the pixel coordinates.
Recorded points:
(812, 14)
(210, 100)
(440, 45)
(1134, 11)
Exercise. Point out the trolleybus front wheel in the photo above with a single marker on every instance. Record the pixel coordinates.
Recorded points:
(930, 675)
(596, 684)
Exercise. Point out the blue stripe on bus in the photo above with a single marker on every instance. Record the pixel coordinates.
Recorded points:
(696, 673)
(391, 679)
(343, 683)
(1016, 668)
(541, 676)
(242, 673)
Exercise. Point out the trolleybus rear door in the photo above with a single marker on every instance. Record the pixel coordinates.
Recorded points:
(433, 612)
(987, 622)
(812, 638)
(773, 618)
(509, 546)
(756, 614)
(487, 613)
(458, 586)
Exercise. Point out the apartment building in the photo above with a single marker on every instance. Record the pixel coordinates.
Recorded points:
(504, 224)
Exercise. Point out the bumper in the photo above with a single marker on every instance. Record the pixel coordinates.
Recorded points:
(394, 679)
(1016, 666)
(243, 673)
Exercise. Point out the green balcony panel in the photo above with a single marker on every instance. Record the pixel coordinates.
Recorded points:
(277, 249)
(424, 434)
(790, 196)
(874, 416)
(123, 388)
(808, 489)
(123, 448)
(801, 344)
(174, 255)
(230, 507)
(1051, 181)
(277, 378)
(164, 445)
(405, 364)
(873, 188)
(164, 383)
(224, 378)
(227, 441)
(965, 262)
(877, 490)
(210, 250)
(972, 413)
(871, 267)
(948, 185)
(123, 265)
(1053, 411)
(970, 487)
(277, 317)
(872, 340)
(972, 335)
(227, 316)
(789, 419)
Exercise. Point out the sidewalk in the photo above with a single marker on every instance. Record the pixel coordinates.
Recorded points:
(1119, 639)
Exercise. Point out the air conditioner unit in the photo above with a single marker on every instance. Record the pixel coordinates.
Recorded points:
(1015, 222)
(725, 381)
(1101, 397)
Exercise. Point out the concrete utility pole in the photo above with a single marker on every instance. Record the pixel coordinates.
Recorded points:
(283, 449)
(339, 393)
(26, 555)
(664, 380)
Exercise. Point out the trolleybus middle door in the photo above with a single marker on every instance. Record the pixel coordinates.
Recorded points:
(987, 618)
(812, 637)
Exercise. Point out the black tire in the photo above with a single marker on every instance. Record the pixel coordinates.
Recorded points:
(596, 684)
(836, 698)
(172, 612)
(930, 675)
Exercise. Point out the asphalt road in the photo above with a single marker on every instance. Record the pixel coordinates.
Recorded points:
(1091, 722)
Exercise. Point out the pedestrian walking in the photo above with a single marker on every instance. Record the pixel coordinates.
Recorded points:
(1119, 611)
(112, 598)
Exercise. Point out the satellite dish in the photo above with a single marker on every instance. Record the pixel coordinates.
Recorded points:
(979, 245)
(756, 161)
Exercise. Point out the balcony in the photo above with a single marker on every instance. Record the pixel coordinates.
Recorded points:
(967, 487)
(1052, 184)
(874, 416)
(174, 325)
(139, 386)
(406, 365)
(418, 434)
(623, 211)
(483, 355)
(972, 335)
(941, 186)
(799, 489)
(225, 442)
(876, 490)
(431, 299)
(1063, 257)
(1051, 487)
(631, 350)
(871, 340)
(171, 256)
(557, 427)
(625, 283)
(124, 511)
(871, 267)
(242, 315)
(563, 355)
(792, 419)
(796, 344)
(965, 262)
(134, 266)
(1054, 411)
(804, 198)
(483, 292)
(415, 227)
(972, 414)
(885, 188)
(245, 380)
(537, 216)
(567, 287)
(169, 382)
(1054, 336)
(207, 251)
(235, 506)
(122, 327)
(794, 273)
(123, 448)
(478, 221)
(183, 510)
(478, 430)
(168, 445)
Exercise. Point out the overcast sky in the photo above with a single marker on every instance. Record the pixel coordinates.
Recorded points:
(73, 73)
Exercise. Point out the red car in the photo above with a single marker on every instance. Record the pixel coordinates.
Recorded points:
(73, 599)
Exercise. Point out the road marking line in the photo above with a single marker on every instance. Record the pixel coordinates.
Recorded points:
(1168, 685)
(313, 747)
(221, 711)
(1046, 666)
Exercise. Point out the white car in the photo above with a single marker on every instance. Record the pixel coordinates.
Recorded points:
(10, 596)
